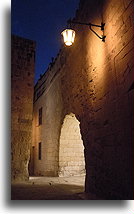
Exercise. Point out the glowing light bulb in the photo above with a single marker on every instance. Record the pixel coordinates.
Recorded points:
(68, 36)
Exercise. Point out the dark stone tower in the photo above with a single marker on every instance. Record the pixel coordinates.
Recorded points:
(22, 81)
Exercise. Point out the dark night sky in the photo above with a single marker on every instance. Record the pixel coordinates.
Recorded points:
(42, 21)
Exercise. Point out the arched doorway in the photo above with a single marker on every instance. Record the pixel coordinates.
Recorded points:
(71, 149)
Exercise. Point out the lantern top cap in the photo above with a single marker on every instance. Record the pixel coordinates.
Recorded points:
(67, 29)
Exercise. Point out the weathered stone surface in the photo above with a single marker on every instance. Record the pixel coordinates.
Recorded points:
(94, 81)
(71, 150)
(23, 59)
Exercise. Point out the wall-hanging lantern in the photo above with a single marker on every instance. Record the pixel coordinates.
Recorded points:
(69, 34)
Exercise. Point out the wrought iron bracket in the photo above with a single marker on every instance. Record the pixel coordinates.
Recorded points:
(90, 27)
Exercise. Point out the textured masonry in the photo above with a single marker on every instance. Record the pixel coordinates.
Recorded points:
(71, 149)
(94, 81)
(22, 71)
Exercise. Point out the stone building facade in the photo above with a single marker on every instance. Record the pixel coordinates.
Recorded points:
(57, 148)
(84, 98)
(22, 83)
(92, 82)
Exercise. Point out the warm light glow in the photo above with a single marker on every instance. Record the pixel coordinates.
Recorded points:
(68, 36)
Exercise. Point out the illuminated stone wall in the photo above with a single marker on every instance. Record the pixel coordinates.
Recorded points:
(94, 80)
(48, 96)
(71, 149)
(23, 54)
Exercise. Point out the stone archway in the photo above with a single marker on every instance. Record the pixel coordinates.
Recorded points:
(71, 149)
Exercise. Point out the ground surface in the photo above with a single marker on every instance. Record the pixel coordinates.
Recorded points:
(50, 188)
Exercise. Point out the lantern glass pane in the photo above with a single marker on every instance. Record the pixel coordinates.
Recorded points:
(68, 36)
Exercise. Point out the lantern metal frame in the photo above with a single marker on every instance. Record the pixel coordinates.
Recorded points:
(90, 27)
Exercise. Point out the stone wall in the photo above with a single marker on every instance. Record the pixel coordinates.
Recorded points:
(94, 80)
(48, 96)
(22, 71)
(71, 149)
